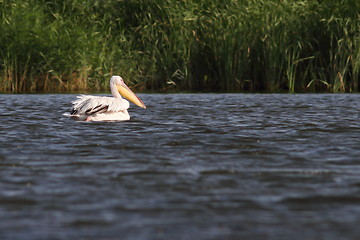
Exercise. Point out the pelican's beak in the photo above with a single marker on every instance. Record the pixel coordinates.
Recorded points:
(126, 92)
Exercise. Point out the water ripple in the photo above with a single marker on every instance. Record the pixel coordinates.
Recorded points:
(191, 166)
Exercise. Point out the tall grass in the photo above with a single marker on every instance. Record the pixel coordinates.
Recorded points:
(226, 45)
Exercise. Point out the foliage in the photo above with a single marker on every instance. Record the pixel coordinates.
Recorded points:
(225, 45)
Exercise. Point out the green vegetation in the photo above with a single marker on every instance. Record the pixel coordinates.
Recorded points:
(223, 45)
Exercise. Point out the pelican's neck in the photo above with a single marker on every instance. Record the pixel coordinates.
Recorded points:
(114, 91)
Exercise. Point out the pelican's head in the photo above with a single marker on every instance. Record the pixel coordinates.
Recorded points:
(125, 91)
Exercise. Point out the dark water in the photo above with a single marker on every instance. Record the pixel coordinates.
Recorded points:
(191, 166)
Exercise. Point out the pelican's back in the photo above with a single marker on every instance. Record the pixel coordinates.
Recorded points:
(90, 105)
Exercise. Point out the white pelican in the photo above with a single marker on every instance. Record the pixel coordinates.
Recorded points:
(97, 108)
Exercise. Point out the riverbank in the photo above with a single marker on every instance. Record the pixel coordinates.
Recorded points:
(294, 46)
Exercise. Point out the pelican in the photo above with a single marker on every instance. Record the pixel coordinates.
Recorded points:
(98, 108)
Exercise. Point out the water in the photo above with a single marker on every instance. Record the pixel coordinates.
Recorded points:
(191, 166)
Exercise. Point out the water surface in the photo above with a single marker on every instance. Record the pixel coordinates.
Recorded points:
(190, 166)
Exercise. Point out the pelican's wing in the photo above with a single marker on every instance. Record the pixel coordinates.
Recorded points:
(89, 105)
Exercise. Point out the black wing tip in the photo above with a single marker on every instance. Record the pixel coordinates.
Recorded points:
(73, 111)
(97, 110)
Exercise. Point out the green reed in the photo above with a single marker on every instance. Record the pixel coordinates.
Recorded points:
(227, 45)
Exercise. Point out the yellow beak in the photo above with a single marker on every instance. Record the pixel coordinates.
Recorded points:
(126, 92)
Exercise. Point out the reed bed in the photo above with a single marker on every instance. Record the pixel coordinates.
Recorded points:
(169, 45)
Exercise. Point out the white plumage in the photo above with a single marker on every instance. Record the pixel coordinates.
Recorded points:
(99, 108)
